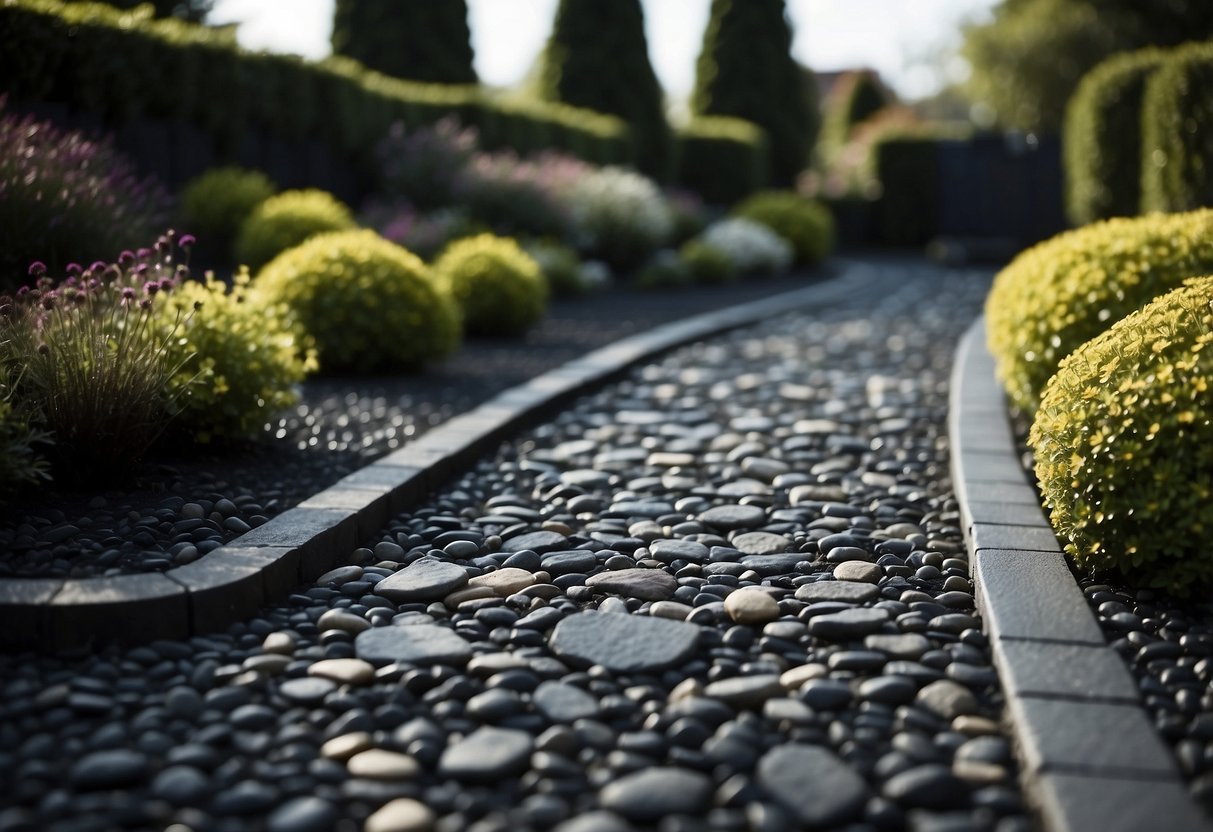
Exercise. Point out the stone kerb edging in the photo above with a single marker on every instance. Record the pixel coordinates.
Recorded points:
(1091, 759)
(266, 564)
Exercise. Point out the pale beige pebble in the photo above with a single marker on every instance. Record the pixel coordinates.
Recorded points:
(557, 527)
(268, 664)
(346, 745)
(490, 664)
(903, 530)
(751, 606)
(379, 764)
(912, 595)
(670, 609)
(947, 699)
(388, 564)
(972, 725)
(283, 643)
(346, 671)
(686, 689)
(401, 815)
(793, 678)
(340, 575)
(957, 584)
(468, 593)
(763, 468)
(543, 577)
(505, 581)
(250, 678)
(344, 621)
(646, 530)
(859, 571)
(979, 773)
(542, 591)
(670, 459)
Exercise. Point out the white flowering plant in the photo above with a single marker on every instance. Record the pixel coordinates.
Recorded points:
(750, 247)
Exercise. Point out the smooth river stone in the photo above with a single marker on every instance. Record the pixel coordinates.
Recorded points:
(645, 584)
(751, 606)
(413, 643)
(728, 518)
(846, 591)
(760, 543)
(624, 643)
(487, 754)
(858, 571)
(668, 551)
(814, 784)
(505, 581)
(653, 793)
(427, 579)
(536, 542)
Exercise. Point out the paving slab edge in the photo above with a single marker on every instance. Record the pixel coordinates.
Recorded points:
(1091, 759)
(264, 565)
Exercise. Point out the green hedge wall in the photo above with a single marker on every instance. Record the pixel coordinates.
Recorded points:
(121, 66)
(1102, 138)
(1177, 132)
(722, 159)
(907, 212)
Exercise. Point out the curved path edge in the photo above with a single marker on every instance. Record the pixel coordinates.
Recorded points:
(266, 564)
(1090, 756)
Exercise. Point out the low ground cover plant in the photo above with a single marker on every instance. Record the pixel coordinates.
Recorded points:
(1065, 291)
(286, 220)
(1123, 441)
(804, 224)
(499, 288)
(370, 305)
(751, 247)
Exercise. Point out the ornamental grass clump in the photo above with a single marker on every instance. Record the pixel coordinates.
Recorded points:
(1065, 291)
(92, 357)
(805, 224)
(370, 305)
(238, 361)
(500, 289)
(1123, 441)
(286, 220)
(67, 198)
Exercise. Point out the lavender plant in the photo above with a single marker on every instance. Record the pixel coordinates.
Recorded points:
(91, 357)
(64, 198)
(422, 165)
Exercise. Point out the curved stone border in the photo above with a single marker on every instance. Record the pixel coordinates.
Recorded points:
(266, 564)
(1090, 757)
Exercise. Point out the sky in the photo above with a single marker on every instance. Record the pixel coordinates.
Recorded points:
(910, 42)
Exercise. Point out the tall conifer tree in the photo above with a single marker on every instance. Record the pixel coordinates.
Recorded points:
(421, 40)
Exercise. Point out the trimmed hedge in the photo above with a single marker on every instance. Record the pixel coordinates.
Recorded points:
(1177, 132)
(1102, 138)
(722, 159)
(122, 65)
(1065, 291)
(1124, 444)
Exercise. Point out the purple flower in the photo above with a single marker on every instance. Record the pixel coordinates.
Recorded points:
(73, 268)
(126, 258)
(98, 266)
(186, 241)
(37, 268)
(151, 287)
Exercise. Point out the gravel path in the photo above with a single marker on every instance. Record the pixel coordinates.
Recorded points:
(172, 513)
(725, 593)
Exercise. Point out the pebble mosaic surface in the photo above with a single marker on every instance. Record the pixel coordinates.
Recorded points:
(726, 593)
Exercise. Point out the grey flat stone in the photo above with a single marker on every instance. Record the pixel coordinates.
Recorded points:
(1032, 595)
(1034, 668)
(981, 466)
(668, 551)
(728, 518)
(645, 584)
(536, 541)
(568, 563)
(745, 691)
(846, 591)
(1074, 803)
(947, 699)
(854, 623)
(415, 644)
(110, 769)
(562, 702)
(772, 564)
(814, 784)
(653, 793)
(991, 536)
(487, 754)
(760, 543)
(1005, 514)
(426, 579)
(624, 643)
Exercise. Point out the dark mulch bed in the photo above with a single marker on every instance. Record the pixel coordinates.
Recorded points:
(184, 503)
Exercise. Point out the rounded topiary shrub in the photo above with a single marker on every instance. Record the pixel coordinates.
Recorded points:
(706, 263)
(1124, 444)
(1065, 291)
(561, 268)
(215, 204)
(805, 224)
(498, 286)
(371, 305)
(285, 221)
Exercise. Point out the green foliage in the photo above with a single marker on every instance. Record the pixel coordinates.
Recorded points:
(597, 58)
(120, 65)
(238, 361)
(856, 97)
(1103, 138)
(664, 270)
(286, 220)
(751, 247)
(370, 305)
(722, 159)
(194, 11)
(561, 267)
(1065, 291)
(619, 216)
(500, 289)
(21, 464)
(746, 70)
(1123, 442)
(1177, 132)
(805, 224)
(706, 263)
(214, 205)
(423, 40)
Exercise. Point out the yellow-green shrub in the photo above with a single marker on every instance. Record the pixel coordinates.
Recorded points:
(498, 286)
(370, 304)
(1065, 291)
(805, 224)
(238, 360)
(706, 263)
(1124, 444)
(561, 267)
(286, 220)
(215, 204)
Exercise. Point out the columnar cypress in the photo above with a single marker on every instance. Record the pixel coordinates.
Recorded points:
(597, 57)
(746, 70)
(422, 40)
